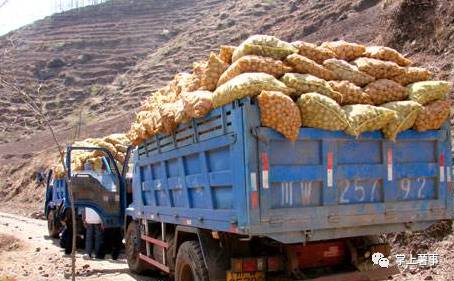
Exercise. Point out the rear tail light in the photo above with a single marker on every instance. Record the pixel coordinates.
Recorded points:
(248, 264)
(257, 264)
(275, 264)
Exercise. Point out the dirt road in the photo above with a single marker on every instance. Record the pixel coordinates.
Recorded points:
(27, 253)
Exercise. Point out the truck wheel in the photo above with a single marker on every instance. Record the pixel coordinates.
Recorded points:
(134, 246)
(190, 265)
(53, 225)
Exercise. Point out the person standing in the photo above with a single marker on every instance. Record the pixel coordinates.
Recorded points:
(93, 234)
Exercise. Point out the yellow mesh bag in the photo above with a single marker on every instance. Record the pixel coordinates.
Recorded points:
(306, 83)
(346, 71)
(211, 73)
(351, 94)
(427, 91)
(137, 133)
(387, 54)
(59, 171)
(278, 111)
(265, 46)
(197, 104)
(171, 114)
(254, 64)
(345, 50)
(117, 139)
(319, 111)
(383, 90)
(407, 111)
(226, 53)
(412, 75)
(366, 118)
(96, 163)
(247, 84)
(378, 68)
(304, 65)
(433, 115)
(314, 52)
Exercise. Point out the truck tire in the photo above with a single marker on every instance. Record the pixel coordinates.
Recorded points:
(190, 265)
(53, 224)
(134, 246)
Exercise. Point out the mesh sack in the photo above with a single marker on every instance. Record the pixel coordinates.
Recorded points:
(197, 104)
(185, 82)
(427, 91)
(378, 68)
(319, 111)
(366, 118)
(346, 71)
(345, 50)
(247, 84)
(412, 75)
(383, 91)
(226, 53)
(407, 111)
(265, 46)
(306, 83)
(351, 94)
(433, 116)
(137, 133)
(59, 171)
(211, 73)
(95, 162)
(304, 65)
(116, 139)
(170, 115)
(314, 52)
(278, 111)
(387, 54)
(254, 64)
(121, 148)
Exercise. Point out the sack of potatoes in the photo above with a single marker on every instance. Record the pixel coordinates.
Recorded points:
(345, 71)
(314, 52)
(306, 83)
(386, 54)
(345, 50)
(253, 63)
(383, 91)
(427, 91)
(351, 94)
(265, 46)
(378, 68)
(319, 111)
(279, 112)
(367, 118)
(407, 111)
(412, 75)
(247, 84)
(433, 115)
(305, 65)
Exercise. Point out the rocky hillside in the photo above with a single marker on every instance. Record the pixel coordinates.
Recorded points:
(100, 61)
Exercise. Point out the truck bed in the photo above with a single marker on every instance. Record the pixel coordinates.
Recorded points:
(224, 172)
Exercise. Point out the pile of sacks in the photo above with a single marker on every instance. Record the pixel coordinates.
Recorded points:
(117, 144)
(338, 86)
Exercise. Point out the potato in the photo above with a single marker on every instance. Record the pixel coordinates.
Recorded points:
(383, 90)
(346, 71)
(304, 65)
(345, 50)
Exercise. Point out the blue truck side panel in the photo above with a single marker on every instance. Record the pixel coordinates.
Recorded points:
(224, 172)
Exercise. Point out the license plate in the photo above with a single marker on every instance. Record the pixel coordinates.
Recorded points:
(245, 276)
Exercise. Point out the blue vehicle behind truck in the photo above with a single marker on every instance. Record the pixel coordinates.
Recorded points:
(226, 199)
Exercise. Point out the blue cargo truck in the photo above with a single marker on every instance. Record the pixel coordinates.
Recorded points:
(226, 199)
